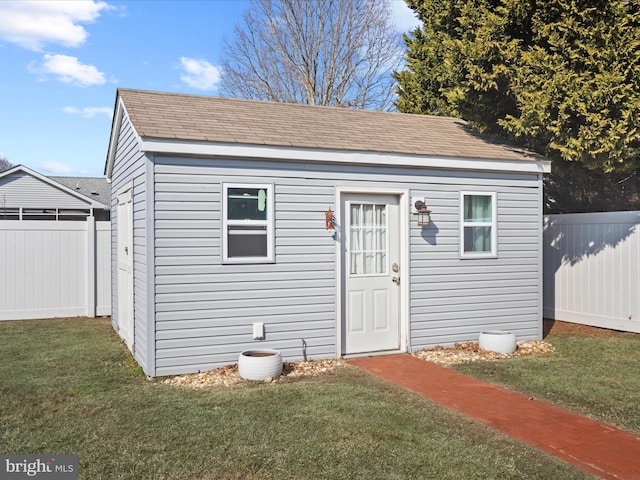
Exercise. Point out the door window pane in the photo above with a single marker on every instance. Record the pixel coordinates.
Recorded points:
(368, 239)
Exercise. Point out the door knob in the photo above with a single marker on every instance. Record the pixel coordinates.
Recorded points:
(396, 280)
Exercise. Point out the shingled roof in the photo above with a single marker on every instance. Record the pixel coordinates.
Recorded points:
(194, 118)
(96, 188)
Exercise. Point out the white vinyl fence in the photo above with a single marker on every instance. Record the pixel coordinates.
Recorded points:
(54, 269)
(592, 269)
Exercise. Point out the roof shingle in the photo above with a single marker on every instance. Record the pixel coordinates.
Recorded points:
(174, 116)
(96, 188)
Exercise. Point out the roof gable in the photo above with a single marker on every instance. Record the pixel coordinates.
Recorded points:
(193, 119)
(51, 190)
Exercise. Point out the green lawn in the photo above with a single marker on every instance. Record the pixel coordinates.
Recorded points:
(70, 387)
(596, 376)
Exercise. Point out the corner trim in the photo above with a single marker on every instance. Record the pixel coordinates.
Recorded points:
(150, 235)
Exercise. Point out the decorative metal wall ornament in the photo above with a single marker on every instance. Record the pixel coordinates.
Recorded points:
(330, 220)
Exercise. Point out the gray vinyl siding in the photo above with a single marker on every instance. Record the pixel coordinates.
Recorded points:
(23, 190)
(129, 168)
(205, 309)
(453, 299)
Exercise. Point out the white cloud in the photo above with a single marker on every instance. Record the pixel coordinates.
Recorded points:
(199, 74)
(403, 18)
(88, 112)
(32, 24)
(69, 70)
(56, 168)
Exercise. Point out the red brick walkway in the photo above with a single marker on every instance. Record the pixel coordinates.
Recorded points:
(595, 447)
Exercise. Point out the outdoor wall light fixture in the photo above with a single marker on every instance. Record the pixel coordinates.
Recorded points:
(424, 215)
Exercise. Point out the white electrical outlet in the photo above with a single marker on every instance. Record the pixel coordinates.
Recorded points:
(258, 331)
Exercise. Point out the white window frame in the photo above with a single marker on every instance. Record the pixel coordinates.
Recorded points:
(268, 223)
(493, 224)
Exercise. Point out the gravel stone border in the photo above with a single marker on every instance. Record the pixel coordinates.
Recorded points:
(447, 356)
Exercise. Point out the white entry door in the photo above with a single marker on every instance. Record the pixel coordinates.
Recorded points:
(125, 266)
(371, 273)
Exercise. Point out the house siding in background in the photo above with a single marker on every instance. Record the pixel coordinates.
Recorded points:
(23, 190)
(194, 311)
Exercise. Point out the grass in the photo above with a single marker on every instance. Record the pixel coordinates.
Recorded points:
(596, 376)
(70, 387)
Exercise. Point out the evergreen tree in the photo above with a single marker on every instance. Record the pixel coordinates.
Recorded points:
(561, 77)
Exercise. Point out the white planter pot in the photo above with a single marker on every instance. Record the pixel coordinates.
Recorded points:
(498, 341)
(260, 364)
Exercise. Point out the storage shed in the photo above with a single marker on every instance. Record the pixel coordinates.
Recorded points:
(320, 232)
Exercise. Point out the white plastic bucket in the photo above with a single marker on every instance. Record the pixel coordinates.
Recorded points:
(260, 364)
(498, 341)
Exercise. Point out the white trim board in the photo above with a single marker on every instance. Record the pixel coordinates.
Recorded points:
(174, 147)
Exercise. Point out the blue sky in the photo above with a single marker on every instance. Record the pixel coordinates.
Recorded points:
(63, 60)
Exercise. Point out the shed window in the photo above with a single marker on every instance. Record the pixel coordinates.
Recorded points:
(478, 225)
(247, 223)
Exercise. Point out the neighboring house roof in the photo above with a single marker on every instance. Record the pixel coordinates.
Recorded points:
(178, 118)
(21, 170)
(96, 188)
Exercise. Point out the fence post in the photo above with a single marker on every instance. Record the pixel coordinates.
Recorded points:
(91, 266)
